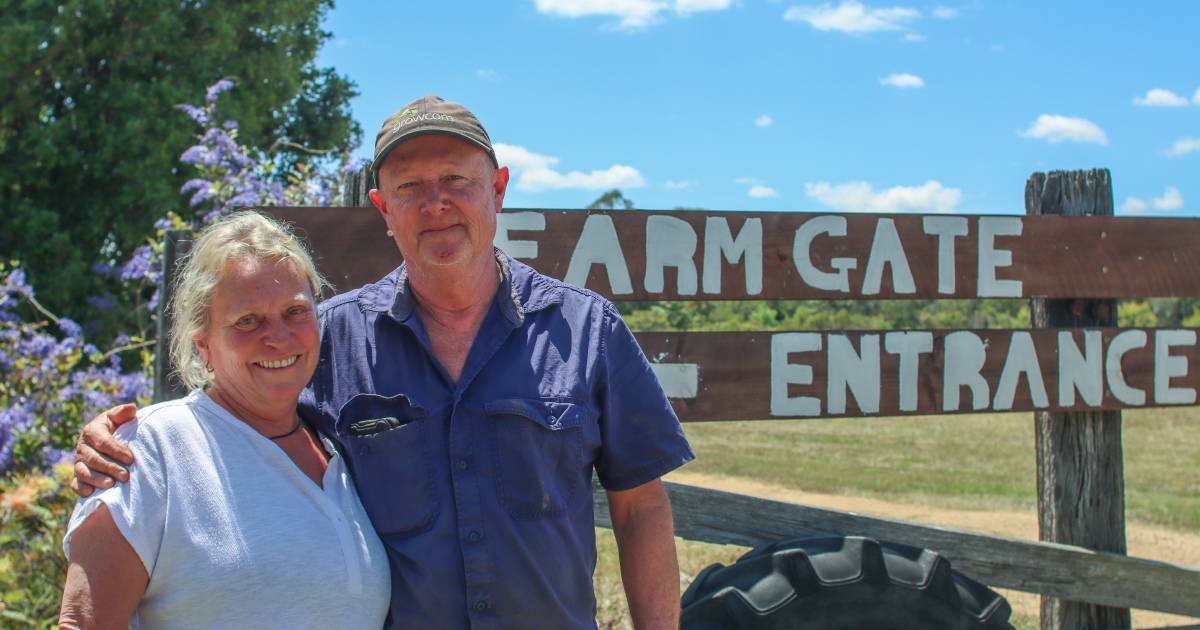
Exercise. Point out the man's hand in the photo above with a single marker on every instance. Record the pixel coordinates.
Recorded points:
(100, 457)
(645, 533)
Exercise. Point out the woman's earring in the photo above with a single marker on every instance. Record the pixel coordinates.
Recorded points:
(391, 234)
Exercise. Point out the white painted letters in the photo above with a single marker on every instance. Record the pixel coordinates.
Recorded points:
(964, 357)
(858, 372)
(520, 222)
(1021, 359)
(1080, 373)
(946, 229)
(817, 279)
(1117, 348)
(909, 346)
(670, 242)
(991, 258)
(748, 246)
(887, 250)
(784, 373)
(1167, 367)
(598, 244)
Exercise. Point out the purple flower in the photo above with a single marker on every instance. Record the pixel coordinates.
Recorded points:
(195, 113)
(69, 327)
(215, 90)
(102, 302)
(230, 125)
(138, 266)
(195, 154)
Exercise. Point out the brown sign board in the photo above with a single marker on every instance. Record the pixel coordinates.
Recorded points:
(766, 375)
(699, 255)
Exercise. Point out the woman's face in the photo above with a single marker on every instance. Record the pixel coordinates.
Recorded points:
(262, 341)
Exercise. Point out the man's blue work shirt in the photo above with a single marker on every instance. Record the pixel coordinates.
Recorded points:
(481, 489)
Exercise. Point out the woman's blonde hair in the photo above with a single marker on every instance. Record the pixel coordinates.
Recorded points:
(242, 235)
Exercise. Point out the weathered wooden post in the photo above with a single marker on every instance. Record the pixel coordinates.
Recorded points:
(176, 243)
(1080, 469)
(355, 185)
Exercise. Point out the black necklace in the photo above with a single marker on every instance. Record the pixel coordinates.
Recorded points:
(294, 429)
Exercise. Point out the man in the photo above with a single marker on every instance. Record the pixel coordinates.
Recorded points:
(473, 397)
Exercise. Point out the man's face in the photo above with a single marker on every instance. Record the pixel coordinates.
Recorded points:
(440, 195)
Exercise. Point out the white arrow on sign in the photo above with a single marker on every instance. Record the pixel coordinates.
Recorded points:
(678, 380)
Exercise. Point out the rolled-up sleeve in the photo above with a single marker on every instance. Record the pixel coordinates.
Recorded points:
(641, 436)
(138, 507)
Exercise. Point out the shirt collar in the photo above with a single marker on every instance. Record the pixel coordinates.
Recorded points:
(519, 292)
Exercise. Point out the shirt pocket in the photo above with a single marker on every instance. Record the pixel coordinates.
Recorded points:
(389, 444)
(537, 455)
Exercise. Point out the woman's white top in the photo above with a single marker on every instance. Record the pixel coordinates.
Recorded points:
(233, 534)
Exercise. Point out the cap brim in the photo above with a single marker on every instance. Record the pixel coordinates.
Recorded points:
(387, 149)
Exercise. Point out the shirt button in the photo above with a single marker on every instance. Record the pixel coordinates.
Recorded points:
(474, 536)
(480, 605)
(462, 464)
(552, 419)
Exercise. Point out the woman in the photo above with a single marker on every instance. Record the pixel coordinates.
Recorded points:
(236, 514)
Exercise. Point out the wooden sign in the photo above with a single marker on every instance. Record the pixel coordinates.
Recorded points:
(752, 375)
(694, 255)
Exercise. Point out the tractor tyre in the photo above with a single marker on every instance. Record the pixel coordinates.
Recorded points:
(840, 583)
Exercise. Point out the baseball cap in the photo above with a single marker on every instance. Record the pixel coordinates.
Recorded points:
(428, 115)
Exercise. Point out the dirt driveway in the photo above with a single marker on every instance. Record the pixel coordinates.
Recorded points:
(1144, 541)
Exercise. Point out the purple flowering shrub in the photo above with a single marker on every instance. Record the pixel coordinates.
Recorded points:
(51, 379)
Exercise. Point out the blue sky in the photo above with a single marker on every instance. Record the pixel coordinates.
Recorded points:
(777, 105)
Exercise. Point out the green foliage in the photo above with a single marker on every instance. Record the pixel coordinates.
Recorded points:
(89, 134)
(826, 315)
(33, 516)
(611, 200)
(1136, 314)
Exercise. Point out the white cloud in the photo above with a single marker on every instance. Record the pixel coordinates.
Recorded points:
(1196, 97)
(852, 17)
(679, 184)
(763, 121)
(748, 181)
(521, 159)
(913, 38)
(487, 74)
(1183, 146)
(1134, 205)
(685, 7)
(1158, 97)
(945, 13)
(534, 172)
(632, 14)
(762, 192)
(1055, 129)
(903, 80)
(931, 196)
(1170, 201)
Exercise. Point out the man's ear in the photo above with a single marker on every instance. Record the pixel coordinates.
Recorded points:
(499, 186)
(377, 200)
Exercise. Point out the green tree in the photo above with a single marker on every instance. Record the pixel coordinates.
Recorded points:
(90, 136)
(611, 200)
